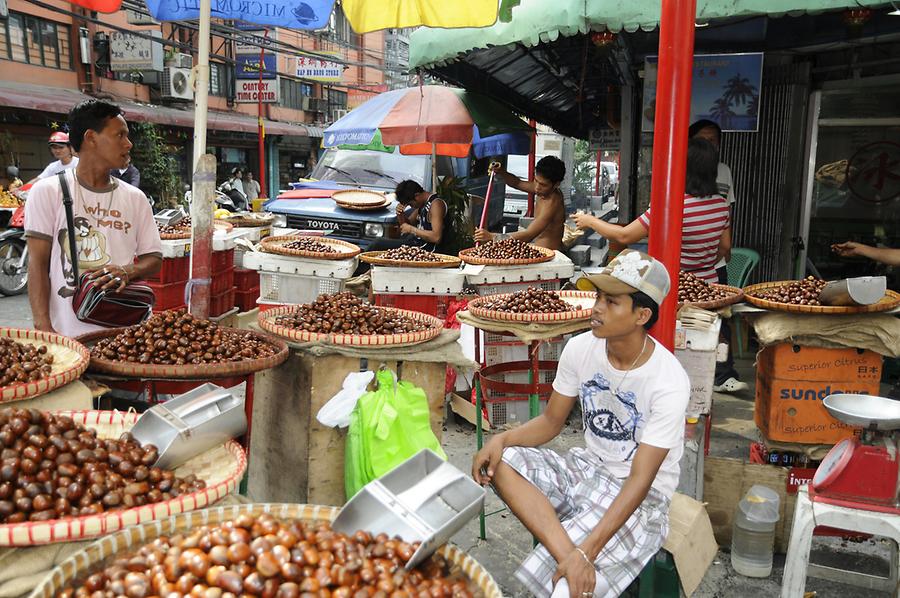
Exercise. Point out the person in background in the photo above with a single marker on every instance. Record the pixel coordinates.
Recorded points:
(251, 186)
(600, 512)
(12, 182)
(62, 151)
(548, 226)
(424, 224)
(884, 255)
(117, 240)
(129, 174)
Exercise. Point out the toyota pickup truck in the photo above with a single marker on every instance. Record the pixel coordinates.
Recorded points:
(308, 205)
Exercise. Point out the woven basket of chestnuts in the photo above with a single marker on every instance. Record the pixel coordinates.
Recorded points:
(33, 362)
(507, 252)
(175, 345)
(76, 475)
(344, 319)
(410, 257)
(534, 305)
(802, 296)
(696, 292)
(320, 248)
(280, 550)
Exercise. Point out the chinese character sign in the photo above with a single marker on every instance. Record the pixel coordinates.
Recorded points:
(294, 14)
(132, 53)
(317, 69)
(725, 89)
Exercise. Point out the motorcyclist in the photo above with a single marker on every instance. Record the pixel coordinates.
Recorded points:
(234, 189)
(62, 151)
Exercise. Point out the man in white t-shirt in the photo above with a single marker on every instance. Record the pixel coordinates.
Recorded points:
(599, 512)
(113, 222)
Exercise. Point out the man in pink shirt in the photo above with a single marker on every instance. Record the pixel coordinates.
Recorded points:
(113, 222)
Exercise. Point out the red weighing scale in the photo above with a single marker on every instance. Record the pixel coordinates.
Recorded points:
(862, 472)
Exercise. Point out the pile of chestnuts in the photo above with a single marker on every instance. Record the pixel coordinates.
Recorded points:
(692, 289)
(531, 300)
(178, 338)
(51, 467)
(23, 362)
(344, 313)
(507, 249)
(309, 244)
(410, 253)
(796, 292)
(179, 228)
(262, 556)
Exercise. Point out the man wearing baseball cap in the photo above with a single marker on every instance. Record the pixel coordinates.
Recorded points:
(62, 151)
(599, 512)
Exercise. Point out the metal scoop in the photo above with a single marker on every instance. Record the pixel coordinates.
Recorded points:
(863, 290)
(191, 424)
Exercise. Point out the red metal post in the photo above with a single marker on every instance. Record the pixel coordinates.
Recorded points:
(531, 161)
(673, 103)
(262, 129)
(597, 173)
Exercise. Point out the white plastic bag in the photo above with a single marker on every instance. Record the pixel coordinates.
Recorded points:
(336, 412)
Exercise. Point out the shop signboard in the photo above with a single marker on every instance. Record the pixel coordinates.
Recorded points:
(606, 140)
(251, 14)
(319, 69)
(129, 52)
(725, 89)
(251, 42)
(247, 66)
(246, 92)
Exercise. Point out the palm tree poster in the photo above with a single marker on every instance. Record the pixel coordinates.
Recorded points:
(725, 88)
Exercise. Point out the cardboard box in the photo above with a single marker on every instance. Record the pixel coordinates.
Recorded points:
(690, 541)
(792, 381)
(695, 350)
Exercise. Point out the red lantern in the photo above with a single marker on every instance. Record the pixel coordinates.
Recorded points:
(601, 39)
(857, 17)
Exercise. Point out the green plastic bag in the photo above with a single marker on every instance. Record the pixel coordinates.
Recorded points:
(387, 427)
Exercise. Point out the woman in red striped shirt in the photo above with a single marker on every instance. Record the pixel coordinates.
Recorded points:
(706, 216)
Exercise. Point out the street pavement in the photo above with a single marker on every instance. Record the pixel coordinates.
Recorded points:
(508, 542)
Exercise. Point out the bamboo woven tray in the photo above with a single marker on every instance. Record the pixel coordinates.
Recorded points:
(736, 295)
(130, 540)
(184, 372)
(374, 258)
(360, 198)
(187, 233)
(266, 321)
(249, 220)
(890, 300)
(70, 359)
(363, 208)
(343, 250)
(221, 468)
(466, 256)
(583, 300)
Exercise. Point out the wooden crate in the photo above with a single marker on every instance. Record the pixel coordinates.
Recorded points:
(293, 458)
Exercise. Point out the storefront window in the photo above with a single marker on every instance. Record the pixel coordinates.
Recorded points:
(35, 41)
(16, 31)
(33, 47)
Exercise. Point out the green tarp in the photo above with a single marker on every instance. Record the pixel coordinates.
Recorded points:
(535, 21)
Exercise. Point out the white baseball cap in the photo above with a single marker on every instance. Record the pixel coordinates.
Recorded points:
(630, 272)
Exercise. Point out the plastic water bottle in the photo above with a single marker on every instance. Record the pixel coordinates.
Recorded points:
(753, 535)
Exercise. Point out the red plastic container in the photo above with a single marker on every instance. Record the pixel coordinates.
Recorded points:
(174, 269)
(222, 260)
(219, 304)
(246, 279)
(222, 281)
(168, 296)
(433, 305)
(246, 300)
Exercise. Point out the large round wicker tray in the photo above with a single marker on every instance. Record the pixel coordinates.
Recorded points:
(374, 258)
(188, 233)
(184, 372)
(249, 220)
(70, 359)
(582, 300)
(360, 199)
(466, 256)
(735, 295)
(221, 468)
(890, 300)
(130, 540)
(343, 249)
(266, 321)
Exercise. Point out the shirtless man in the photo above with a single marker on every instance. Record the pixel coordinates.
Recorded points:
(546, 230)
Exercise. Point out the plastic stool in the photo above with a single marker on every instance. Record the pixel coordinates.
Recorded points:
(658, 579)
(809, 515)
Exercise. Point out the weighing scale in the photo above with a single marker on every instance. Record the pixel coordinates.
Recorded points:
(862, 472)
(170, 217)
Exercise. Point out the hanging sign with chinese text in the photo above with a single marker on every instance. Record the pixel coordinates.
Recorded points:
(317, 69)
(129, 52)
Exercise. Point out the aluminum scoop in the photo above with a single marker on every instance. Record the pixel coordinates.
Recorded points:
(191, 424)
(863, 290)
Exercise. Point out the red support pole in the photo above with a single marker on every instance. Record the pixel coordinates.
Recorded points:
(262, 130)
(673, 104)
(597, 174)
(531, 160)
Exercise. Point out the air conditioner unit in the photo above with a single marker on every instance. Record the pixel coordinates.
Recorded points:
(176, 84)
(314, 104)
(181, 61)
(338, 114)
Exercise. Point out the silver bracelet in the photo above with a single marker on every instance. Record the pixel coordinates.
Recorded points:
(586, 557)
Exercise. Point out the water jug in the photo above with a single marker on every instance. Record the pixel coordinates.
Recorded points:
(753, 536)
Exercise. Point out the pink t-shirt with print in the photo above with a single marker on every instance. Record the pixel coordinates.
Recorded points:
(111, 228)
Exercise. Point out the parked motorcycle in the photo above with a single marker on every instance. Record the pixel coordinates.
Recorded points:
(13, 260)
